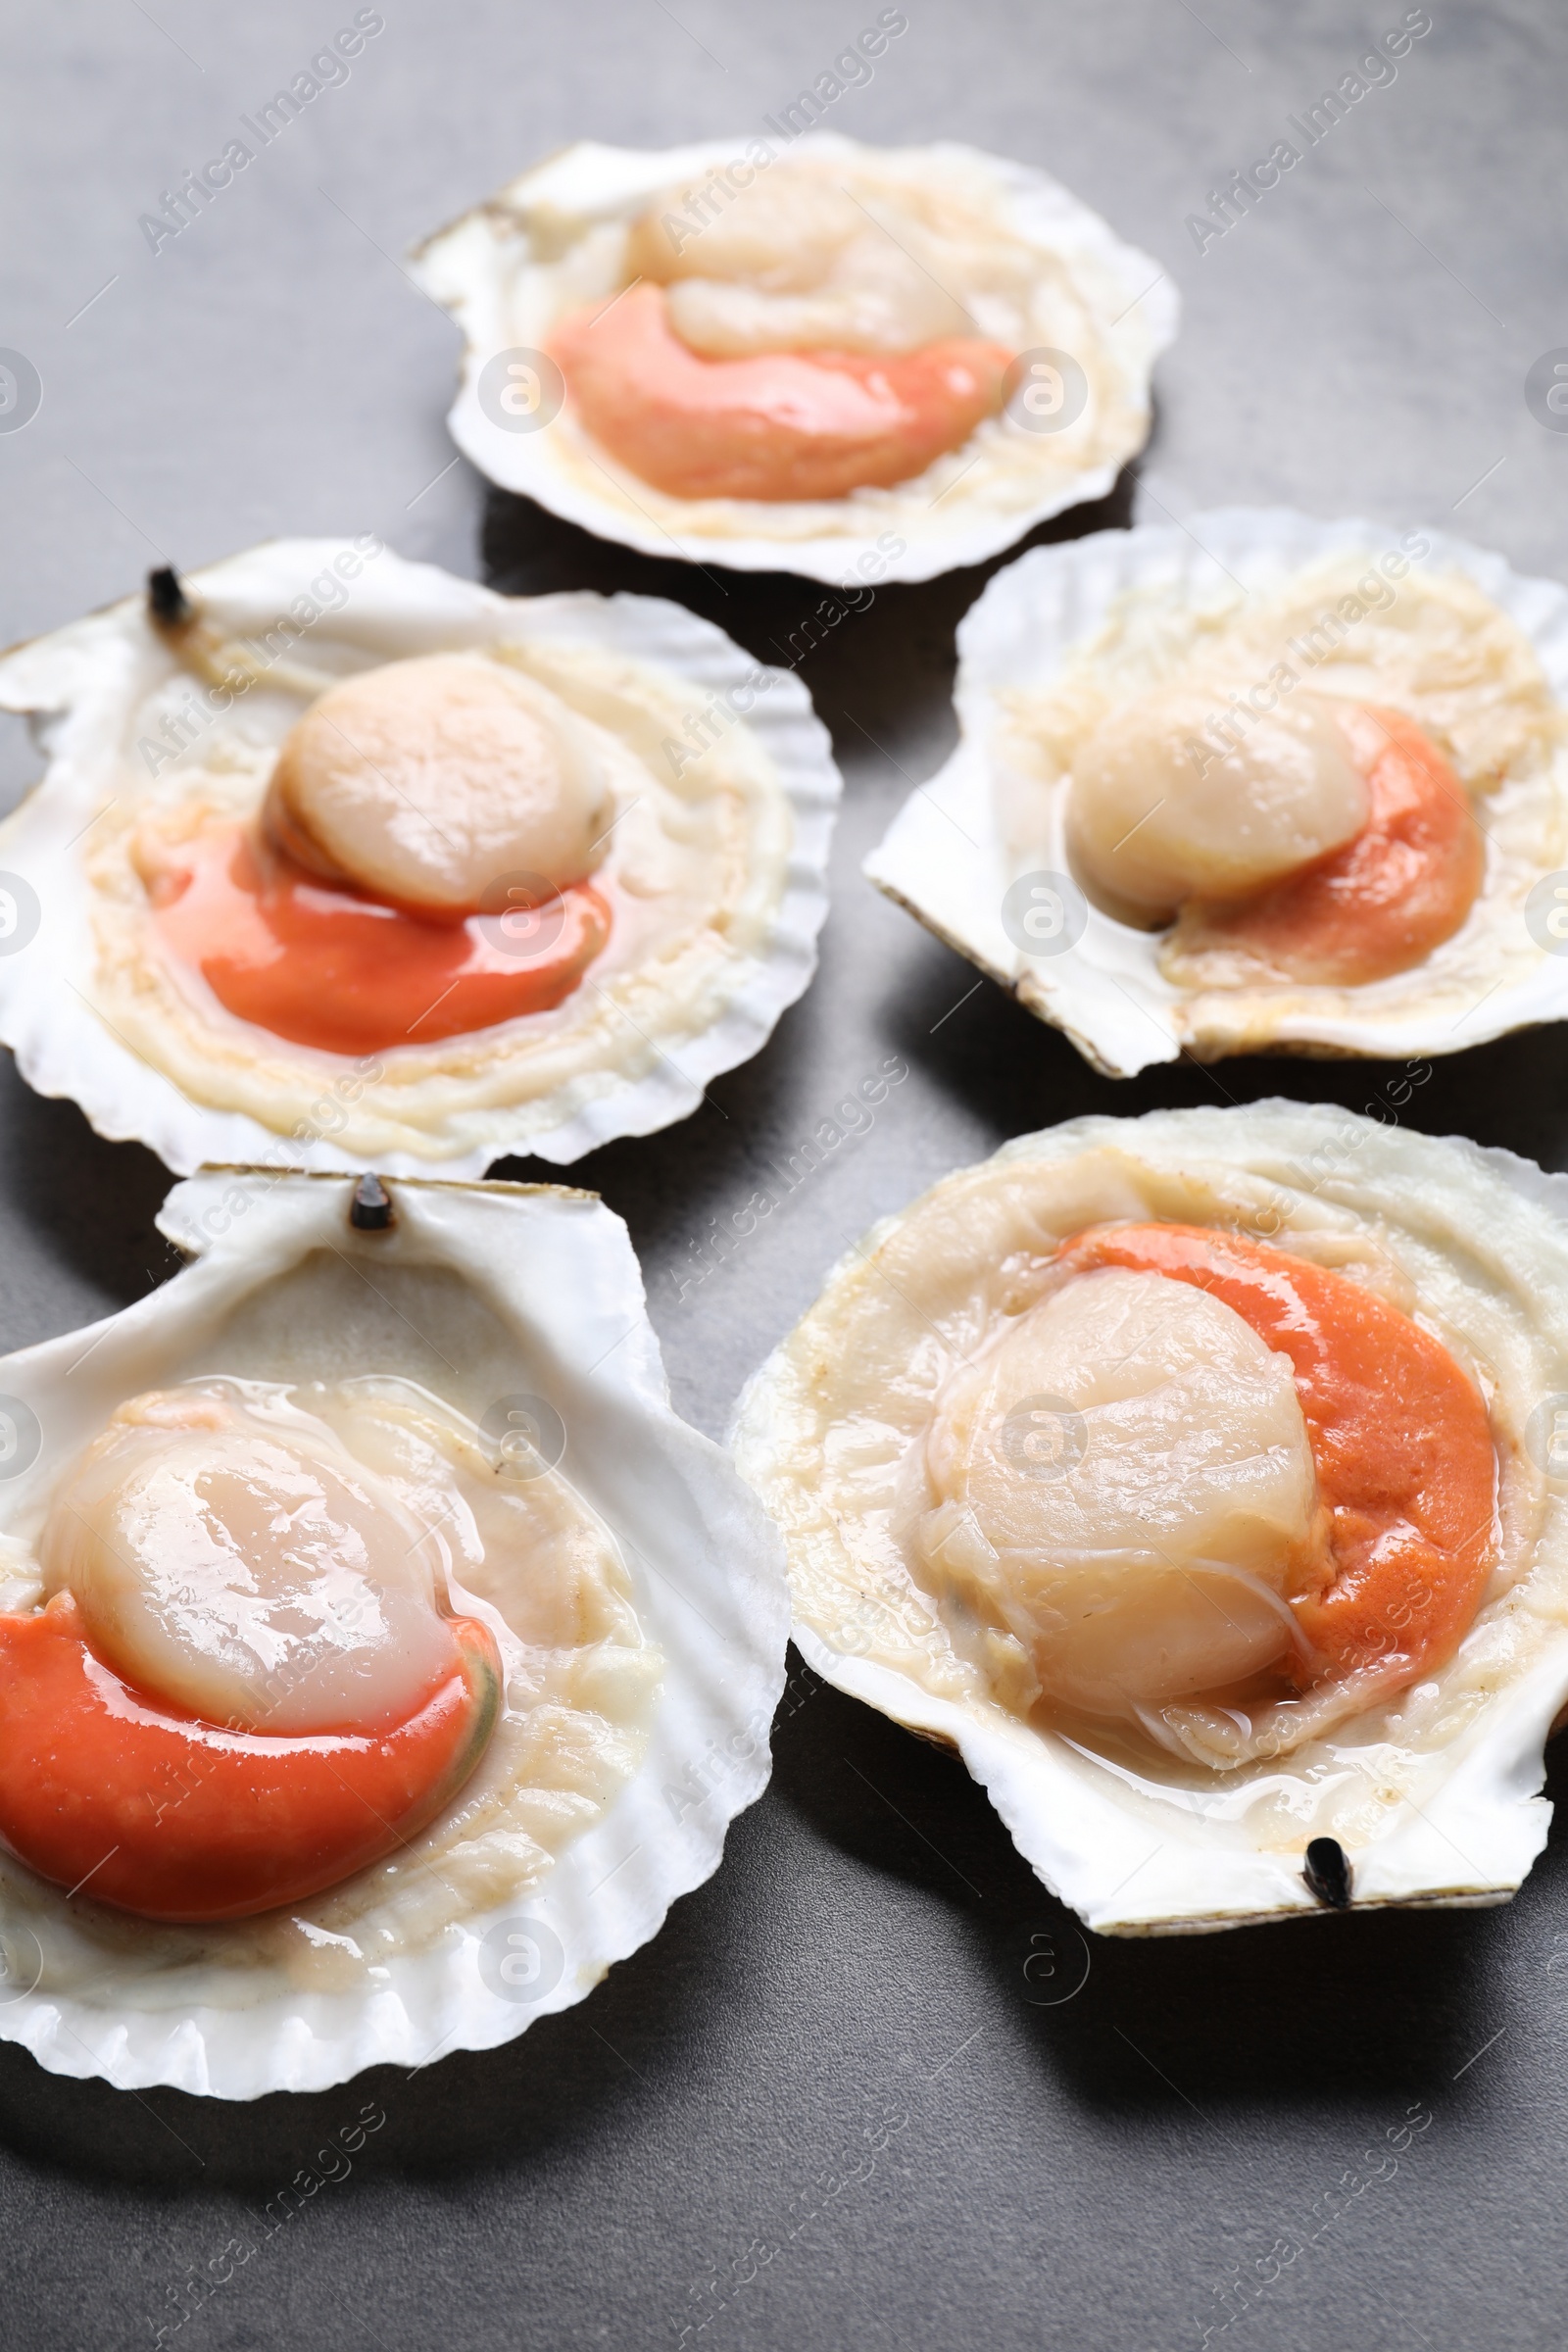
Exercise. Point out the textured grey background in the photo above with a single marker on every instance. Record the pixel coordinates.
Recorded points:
(1088, 2173)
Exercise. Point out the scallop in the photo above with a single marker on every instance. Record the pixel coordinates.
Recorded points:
(1201, 1479)
(339, 861)
(805, 353)
(382, 1656)
(1262, 783)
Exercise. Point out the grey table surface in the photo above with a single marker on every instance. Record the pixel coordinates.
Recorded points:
(1173, 2155)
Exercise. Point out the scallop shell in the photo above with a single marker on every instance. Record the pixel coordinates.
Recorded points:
(551, 1304)
(83, 683)
(1437, 1805)
(945, 858)
(509, 270)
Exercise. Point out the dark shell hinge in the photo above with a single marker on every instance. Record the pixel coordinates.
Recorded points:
(166, 600)
(371, 1210)
(1327, 1872)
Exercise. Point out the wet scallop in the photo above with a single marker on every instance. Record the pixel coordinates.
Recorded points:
(1198, 1478)
(1260, 785)
(855, 363)
(340, 860)
(380, 1655)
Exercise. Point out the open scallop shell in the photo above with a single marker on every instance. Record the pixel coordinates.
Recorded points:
(1435, 1805)
(539, 1293)
(946, 860)
(550, 241)
(86, 682)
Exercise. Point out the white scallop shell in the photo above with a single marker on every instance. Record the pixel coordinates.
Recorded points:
(1463, 1821)
(82, 681)
(485, 270)
(944, 860)
(558, 1270)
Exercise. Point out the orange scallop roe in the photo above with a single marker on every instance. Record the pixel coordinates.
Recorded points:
(144, 1806)
(782, 424)
(326, 966)
(1384, 901)
(1405, 1463)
